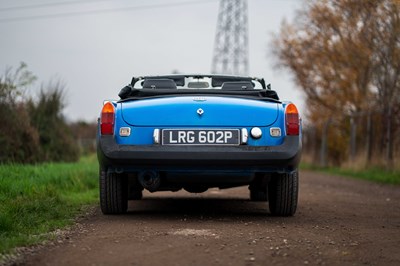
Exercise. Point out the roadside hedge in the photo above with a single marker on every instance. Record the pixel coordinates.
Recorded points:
(33, 129)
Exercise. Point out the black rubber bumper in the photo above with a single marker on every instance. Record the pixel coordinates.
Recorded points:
(282, 158)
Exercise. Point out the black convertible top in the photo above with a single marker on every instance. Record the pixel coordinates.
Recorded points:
(217, 80)
(162, 86)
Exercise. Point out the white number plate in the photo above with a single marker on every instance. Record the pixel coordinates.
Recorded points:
(200, 137)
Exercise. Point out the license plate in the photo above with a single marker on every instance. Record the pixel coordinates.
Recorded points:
(200, 137)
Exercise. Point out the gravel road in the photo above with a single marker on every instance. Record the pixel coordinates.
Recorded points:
(339, 221)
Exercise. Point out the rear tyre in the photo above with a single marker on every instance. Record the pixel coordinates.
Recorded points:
(113, 193)
(283, 194)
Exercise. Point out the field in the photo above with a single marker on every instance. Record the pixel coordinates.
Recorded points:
(38, 199)
(375, 174)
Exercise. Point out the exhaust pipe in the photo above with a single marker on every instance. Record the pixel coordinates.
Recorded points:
(150, 180)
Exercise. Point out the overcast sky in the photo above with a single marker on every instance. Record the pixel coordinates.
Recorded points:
(96, 53)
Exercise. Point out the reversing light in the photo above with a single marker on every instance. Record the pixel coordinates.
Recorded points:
(156, 136)
(292, 120)
(125, 131)
(275, 132)
(107, 119)
(245, 136)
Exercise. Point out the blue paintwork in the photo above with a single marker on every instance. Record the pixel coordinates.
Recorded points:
(143, 116)
(181, 111)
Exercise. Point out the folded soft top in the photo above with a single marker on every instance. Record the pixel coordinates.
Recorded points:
(161, 86)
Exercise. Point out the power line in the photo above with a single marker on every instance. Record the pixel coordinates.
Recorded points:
(103, 11)
(13, 8)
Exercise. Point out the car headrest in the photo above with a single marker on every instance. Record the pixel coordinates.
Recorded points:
(159, 84)
(237, 86)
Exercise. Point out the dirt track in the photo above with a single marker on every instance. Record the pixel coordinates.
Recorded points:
(339, 222)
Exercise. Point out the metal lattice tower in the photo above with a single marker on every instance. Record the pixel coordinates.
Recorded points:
(231, 40)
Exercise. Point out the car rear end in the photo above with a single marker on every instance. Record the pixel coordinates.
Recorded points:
(196, 142)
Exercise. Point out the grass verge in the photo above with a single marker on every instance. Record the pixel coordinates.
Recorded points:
(37, 199)
(375, 174)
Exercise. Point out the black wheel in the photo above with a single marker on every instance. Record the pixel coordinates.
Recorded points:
(283, 194)
(113, 193)
(259, 195)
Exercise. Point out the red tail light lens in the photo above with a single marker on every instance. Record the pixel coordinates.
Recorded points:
(292, 120)
(107, 119)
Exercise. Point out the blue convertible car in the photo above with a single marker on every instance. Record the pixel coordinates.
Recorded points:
(195, 132)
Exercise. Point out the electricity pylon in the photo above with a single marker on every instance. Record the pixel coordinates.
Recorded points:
(231, 54)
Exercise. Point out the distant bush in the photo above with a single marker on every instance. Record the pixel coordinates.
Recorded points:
(19, 140)
(33, 130)
(85, 134)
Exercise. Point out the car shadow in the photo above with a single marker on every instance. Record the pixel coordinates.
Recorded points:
(187, 207)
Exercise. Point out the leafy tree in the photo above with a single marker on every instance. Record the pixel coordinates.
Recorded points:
(344, 55)
(386, 67)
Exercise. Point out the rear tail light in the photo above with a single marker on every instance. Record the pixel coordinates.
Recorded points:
(292, 120)
(107, 119)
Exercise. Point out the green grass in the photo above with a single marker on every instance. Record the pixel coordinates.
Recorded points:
(37, 199)
(375, 174)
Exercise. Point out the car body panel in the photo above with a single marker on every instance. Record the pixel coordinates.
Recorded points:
(181, 111)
